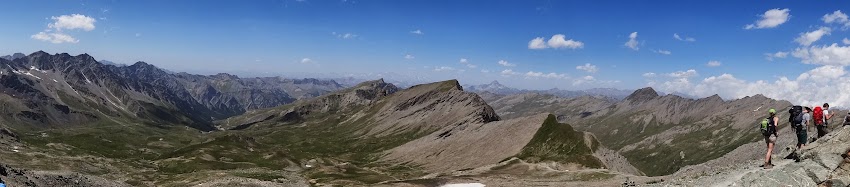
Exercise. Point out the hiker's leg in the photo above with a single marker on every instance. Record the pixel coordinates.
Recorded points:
(767, 158)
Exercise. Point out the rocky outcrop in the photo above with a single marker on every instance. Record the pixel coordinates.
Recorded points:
(822, 165)
(24, 177)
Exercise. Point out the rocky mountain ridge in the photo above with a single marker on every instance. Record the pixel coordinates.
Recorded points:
(50, 90)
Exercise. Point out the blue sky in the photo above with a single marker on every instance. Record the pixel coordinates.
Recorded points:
(278, 38)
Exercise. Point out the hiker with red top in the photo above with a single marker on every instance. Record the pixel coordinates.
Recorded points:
(821, 118)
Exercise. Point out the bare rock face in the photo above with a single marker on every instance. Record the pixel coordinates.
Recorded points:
(469, 145)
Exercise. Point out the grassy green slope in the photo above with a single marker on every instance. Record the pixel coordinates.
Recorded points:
(560, 143)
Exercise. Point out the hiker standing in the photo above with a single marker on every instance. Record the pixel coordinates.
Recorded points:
(770, 135)
(822, 127)
(801, 129)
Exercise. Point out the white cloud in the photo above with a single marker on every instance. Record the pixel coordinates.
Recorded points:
(485, 71)
(508, 72)
(846, 41)
(417, 32)
(71, 22)
(532, 74)
(632, 43)
(770, 19)
(649, 75)
(506, 63)
(808, 38)
(837, 17)
(829, 81)
(537, 43)
(687, 39)
(683, 74)
(771, 56)
(344, 35)
(54, 37)
(409, 57)
(444, 68)
(663, 52)
(54, 32)
(306, 61)
(582, 80)
(559, 41)
(713, 63)
(466, 62)
(590, 68)
(834, 55)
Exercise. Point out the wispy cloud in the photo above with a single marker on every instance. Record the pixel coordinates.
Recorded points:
(417, 32)
(344, 35)
(632, 43)
(589, 68)
(54, 37)
(808, 38)
(680, 38)
(506, 63)
(306, 61)
(663, 52)
(713, 63)
(772, 56)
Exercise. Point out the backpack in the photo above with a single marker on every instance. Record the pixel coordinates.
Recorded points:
(763, 127)
(817, 116)
(767, 126)
(796, 117)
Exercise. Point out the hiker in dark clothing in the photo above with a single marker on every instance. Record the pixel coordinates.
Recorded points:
(801, 132)
(770, 136)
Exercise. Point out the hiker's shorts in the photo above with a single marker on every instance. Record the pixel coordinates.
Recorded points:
(770, 139)
(801, 138)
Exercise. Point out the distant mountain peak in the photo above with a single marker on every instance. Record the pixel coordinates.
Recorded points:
(643, 94)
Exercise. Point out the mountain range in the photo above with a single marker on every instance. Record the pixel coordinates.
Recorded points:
(497, 88)
(60, 89)
(74, 121)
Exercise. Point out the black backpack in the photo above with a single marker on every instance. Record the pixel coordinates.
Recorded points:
(796, 117)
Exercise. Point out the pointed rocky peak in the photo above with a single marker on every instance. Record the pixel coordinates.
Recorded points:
(141, 64)
(39, 53)
(85, 56)
(643, 94)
